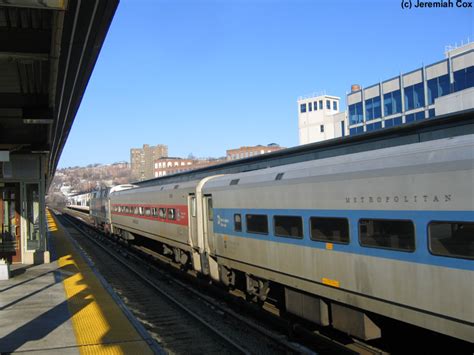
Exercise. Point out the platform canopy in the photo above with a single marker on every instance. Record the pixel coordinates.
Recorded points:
(48, 49)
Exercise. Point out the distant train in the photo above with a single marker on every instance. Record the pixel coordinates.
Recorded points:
(343, 241)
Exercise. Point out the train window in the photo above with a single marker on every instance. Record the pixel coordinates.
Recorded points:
(390, 234)
(140, 211)
(237, 222)
(136, 211)
(154, 212)
(193, 206)
(171, 214)
(257, 223)
(147, 212)
(279, 176)
(288, 226)
(234, 182)
(162, 213)
(330, 229)
(210, 211)
(127, 209)
(455, 239)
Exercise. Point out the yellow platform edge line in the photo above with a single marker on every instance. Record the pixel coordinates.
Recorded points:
(100, 326)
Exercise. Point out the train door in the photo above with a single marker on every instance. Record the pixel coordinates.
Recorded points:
(10, 219)
(193, 232)
(208, 222)
(192, 212)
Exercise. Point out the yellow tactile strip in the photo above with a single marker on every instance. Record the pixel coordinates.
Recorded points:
(99, 324)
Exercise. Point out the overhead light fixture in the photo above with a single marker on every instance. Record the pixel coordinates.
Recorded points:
(37, 121)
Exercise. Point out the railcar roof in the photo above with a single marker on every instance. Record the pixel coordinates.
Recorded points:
(453, 153)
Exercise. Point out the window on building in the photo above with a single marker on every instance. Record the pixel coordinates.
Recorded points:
(438, 87)
(464, 78)
(420, 115)
(310, 106)
(431, 113)
(321, 128)
(303, 108)
(393, 122)
(329, 229)
(374, 126)
(372, 108)
(320, 104)
(328, 104)
(257, 223)
(315, 104)
(389, 234)
(392, 103)
(288, 226)
(455, 239)
(355, 113)
(237, 222)
(414, 96)
(334, 105)
(415, 117)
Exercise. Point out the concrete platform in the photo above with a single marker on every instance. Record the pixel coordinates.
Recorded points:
(64, 308)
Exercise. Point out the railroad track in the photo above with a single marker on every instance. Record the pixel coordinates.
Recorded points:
(179, 318)
(261, 320)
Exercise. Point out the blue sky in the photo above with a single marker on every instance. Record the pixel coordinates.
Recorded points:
(204, 76)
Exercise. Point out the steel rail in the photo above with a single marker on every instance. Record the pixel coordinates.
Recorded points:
(151, 284)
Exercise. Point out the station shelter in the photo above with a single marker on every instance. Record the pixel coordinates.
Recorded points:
(48, 49)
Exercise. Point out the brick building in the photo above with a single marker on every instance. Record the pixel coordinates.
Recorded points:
(167, 166)
(247, 152)
(142, 160)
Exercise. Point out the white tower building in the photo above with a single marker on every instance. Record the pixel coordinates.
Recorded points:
(319, 118)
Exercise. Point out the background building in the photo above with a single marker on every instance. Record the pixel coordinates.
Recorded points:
(436, 89)
(319, 119)
(168, 166)
(142, 161)
(246, 152)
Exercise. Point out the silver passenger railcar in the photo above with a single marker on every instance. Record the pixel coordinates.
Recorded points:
(387, 232)
(100, 206)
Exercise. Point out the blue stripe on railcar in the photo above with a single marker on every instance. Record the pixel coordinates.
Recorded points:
(224, 224)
